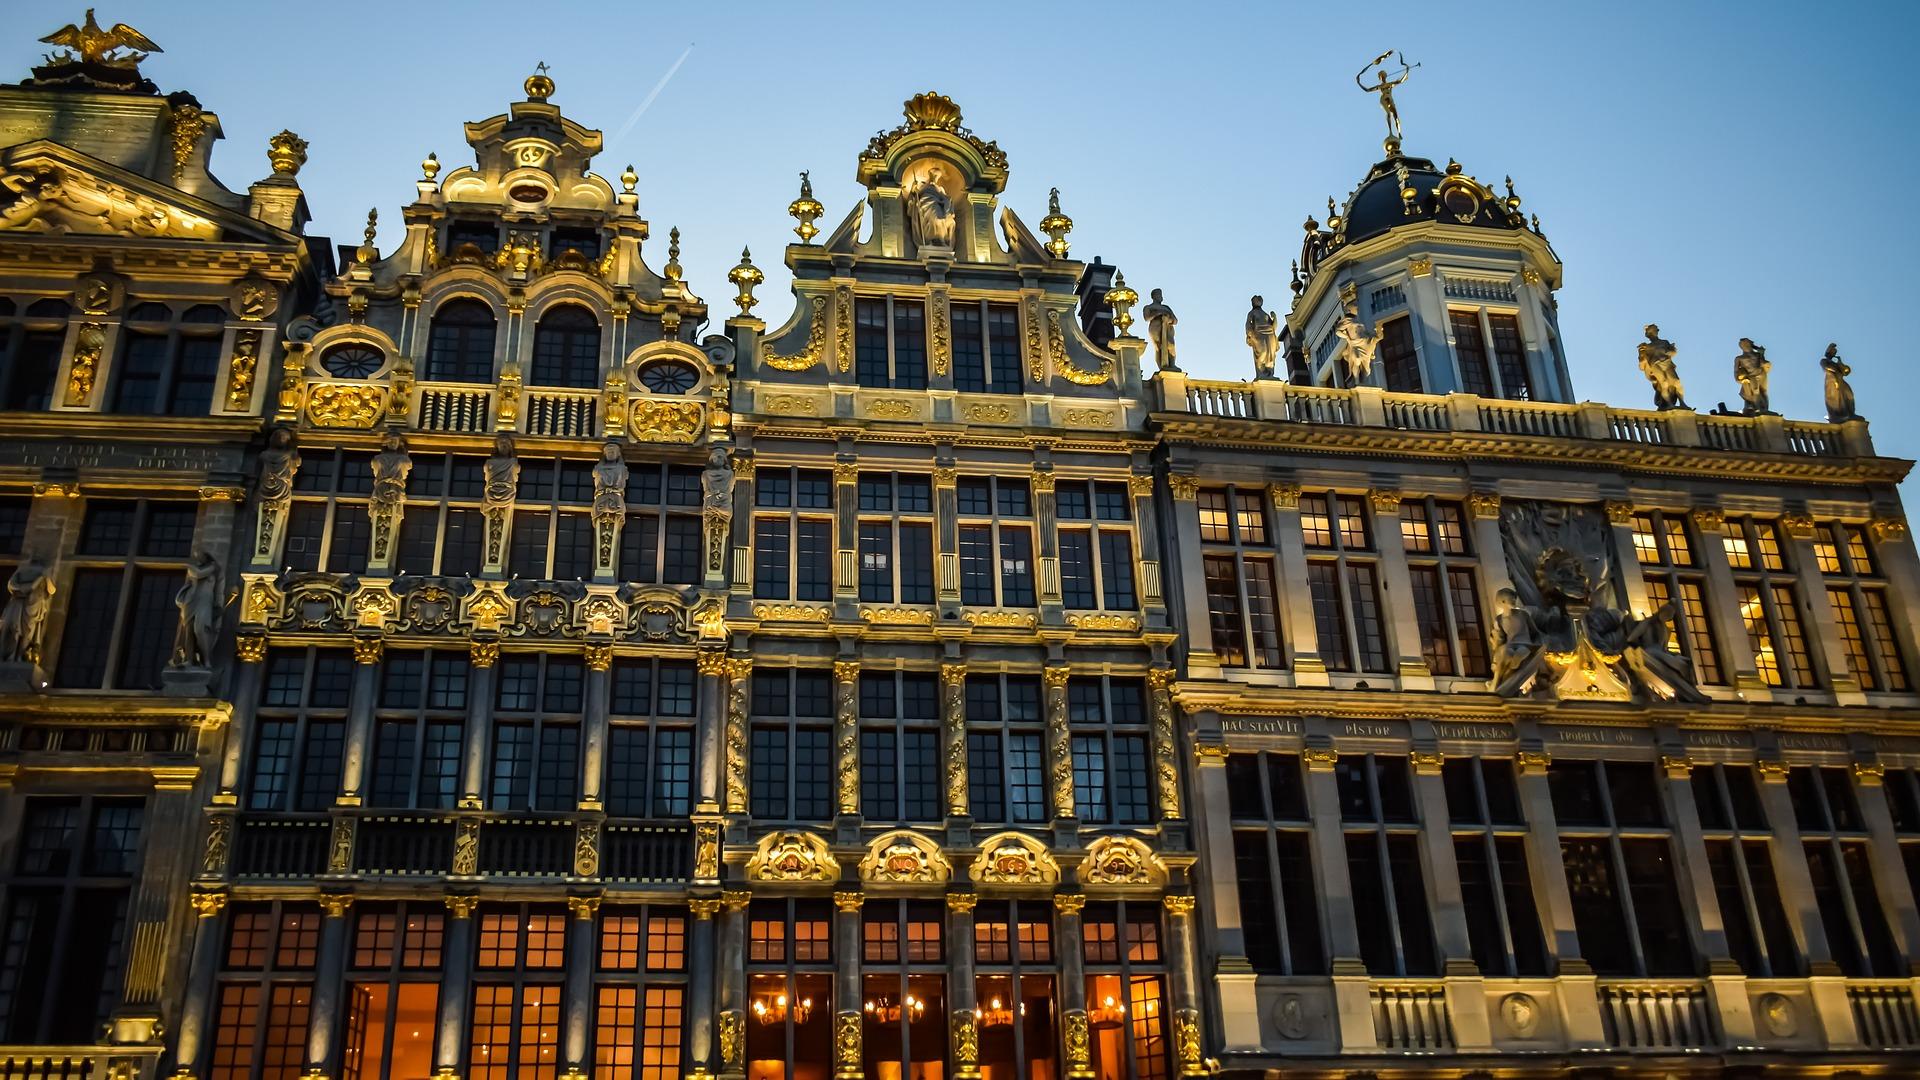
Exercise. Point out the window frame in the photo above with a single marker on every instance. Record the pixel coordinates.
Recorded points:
(1673, 574)
(1466, 654)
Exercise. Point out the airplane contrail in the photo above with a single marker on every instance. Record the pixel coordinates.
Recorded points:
(654, 93)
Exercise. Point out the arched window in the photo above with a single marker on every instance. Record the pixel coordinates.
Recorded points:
(352, 360)
(566, 348)
(460, 348)
(669, 377)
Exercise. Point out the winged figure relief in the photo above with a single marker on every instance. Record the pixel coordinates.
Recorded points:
(89, 44)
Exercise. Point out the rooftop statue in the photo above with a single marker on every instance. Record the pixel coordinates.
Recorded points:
(1750, 369)
(1358, 346)
(1839, 391)
(1384, 88)
(1263, 337)
(88, 44)
(1160, 323)
(1656, 363)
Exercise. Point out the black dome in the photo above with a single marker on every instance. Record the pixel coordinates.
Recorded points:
(1447, 195)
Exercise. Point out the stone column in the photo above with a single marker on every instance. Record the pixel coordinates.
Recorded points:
(711, 663)
(1466, 990)
(846, 738)
(732, 976)
(700, 984)
(1071, 950)
(363, 695)
(251, 652)
(202, 967)
(946, 508)
(1397, 592)
(1146, 528)
(593, 726)
(1901, 567)
(1233, 976)
(1185, 528)
(846, 530)
(1183, 990)
(1353, 1007)
(1491, 562)
(846, 986)
(1823, 627)
(963, 993)
(456, 987)
(1046, 522)
(1166, 743)
(328, 1020)
(1059, 746)
(1828, 987)
(1889, 870)
(1296, 600)
(481, 658)
(1723, 607)
(579, 993)
(739, 676)
(1698, 897)
(953, 733)
(1579, 990)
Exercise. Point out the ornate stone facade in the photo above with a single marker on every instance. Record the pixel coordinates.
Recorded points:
(452, 655)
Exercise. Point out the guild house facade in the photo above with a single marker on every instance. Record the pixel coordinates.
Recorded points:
(464, 655)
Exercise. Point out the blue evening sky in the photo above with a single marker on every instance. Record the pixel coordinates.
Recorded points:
(1725, 170)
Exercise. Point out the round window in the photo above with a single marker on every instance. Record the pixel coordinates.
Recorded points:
(669, 377)
(352, 361)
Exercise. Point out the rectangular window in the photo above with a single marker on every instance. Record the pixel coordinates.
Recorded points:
(1273, 864)
(1398, 357)
(1470, 348)
(1510, 357)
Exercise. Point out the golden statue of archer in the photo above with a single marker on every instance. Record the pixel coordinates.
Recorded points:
(1385, 88)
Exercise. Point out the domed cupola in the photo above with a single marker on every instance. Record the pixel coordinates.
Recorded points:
(1426, 280)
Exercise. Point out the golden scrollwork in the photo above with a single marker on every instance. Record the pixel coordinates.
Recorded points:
(652, 420)
(1186, 1042)
(897, 616)
(810, 351)
(368, 650)
(1098, 621)
(1057, 348)
(213, 857)
(966, 1044)
(792, 404)
(1535, 762)
(250, 648)
(1003, 620)
(706, 851)
(1122, 861)
(846, 735)
(1012, 858)
(843, 326)
(904, 857)
(1094, 418)
(206, 905)
(331, 405)
(483, 654)
(893, 409)
(586, 848)
(466, 847)
(802, 613)
(89, 343)
(1079, 1045)
(793, 856)
(1166, 755)
(733, 1041)
(1036, 359)
(599, 656)
(846, 1046)
(937, 329)
(240, 370)
(988, 413)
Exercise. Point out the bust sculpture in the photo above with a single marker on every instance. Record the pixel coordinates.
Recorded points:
(1840, 407)
(1750, 370)
(1657, 364)
(930, 210)
(1160, 323)
(1263, 338)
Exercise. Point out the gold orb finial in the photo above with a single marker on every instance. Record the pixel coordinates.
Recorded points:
(1121, 299)
(430, 166)
(286, 152)
(805, 209)
(931, 110)
(1056, 225)
(628, 178)
(673, 270)
(538, 86)
(745, 276)
(366, 253)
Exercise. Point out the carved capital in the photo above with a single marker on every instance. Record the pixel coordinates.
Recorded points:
(216, 493)
(1043, 481)
(1161, 678)
(846, 472)
(1426, 762)
(1772, 772)
(1140, 485)
(736, 900)
(1869, 773)
(1798, 526)
(1619, 512)
(600, 656)
(1709, 519)
(1676, 766)
(583, 907)
(962, 902)
(1069, 903)
(206, 905)
(705, 907)
(1320, 758)
(368, 650)
(1285, 496)
(250, 648)
(1057, 676)
(1888, 529)
(711, 661)
(461, 907)
(1178, 906)
(1184, 487)
(1531, 762)
(849, 901)
(953, 672)
(739, 667)
(1385, 501)
(335, 905)
(483, 654)
(846, 671)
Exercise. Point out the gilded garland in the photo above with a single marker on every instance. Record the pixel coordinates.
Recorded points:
(809, 353)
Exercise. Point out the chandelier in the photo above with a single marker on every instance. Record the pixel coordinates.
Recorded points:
(776, 1009)
(886, 1012)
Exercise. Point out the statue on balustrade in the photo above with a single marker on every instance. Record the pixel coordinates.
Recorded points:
(1358, 345)
(502, 473)
(1840, 408)
(1263, 338)
(1750, 370)
(930, 210)
(23, 623)
(201, 602)
(1657, 364)
(1160, 324)
(1558, 636)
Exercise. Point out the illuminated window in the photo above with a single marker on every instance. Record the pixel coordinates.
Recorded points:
(1858, 597)
(1343, 579)
(789, 990)
(1770, 606)
(1126, 991)
(1015, 990)
(1665, 552)
(264, 993)
(1446, 597)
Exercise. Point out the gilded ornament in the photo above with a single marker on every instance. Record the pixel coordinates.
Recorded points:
(1177, 905)
(1186, 1042)
(1166, 754)
(810, 352)
(1773, 772)
(802, 613)
(849, 901)
(186, 126)
(744, 277)
(583, 907)
(206, 905)
(286, 152)
(1888, 529)
(1036, 359)
(1798, 526)
(1057, 349)
(706, 851)
(1284, 496)
(1533, 762)
(792, 405)
(1140, 485)
(966, 1044)
(846, 735)
(335, 905)
(586, 848)
(1079, 1045)
(368, 650)
(213, 857)
(843, 325)
(1012, 858)
(1869, 773)
(1003, 620)
(1618, 512)
(250, 648)
(893, 409)
(1420, 266)
(1385, 501)
(937, 328)
(461, 906)
(1121, 299)
(984, 413)
(1100, 418)
(792, 856)
(1099, 621)
(1425, 762)
(1185, 487)
(846, 1046)
(1709, 519)
(1057, 225)
(1121, 861)
(655, 421)
(733, 1040)
(705, 907)
(337, 406)
(1676, 766)
(240, 370)
(962, 902)
(806, 209)
(483, 654)
(902, 857)
(895, 616)
(1320, 758)
(466, 847)
(89, 342)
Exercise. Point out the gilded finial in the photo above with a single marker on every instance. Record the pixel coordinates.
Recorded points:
(1299, 286)
(430, 166)
(1513, 201)
(1056, 225)
(286, 152)
(538, 86)
(1536, 224)
(1333, 215)
(745, 276)
(1121, 299)
(628, 178)
(805, 209)
(673, 254)
(367, 252)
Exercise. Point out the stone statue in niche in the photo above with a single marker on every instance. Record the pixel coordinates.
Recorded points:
(610, 482)
(930, 210)
(200, 603)
(1263, 337)
(23, 623)
(1840, 407)
(1556, 636)
(1657, 364)
(1750, 370)
(1160, 323)
(1358, 345)
(502, 473)
(717, 482)
(390, 468)
(278, 464)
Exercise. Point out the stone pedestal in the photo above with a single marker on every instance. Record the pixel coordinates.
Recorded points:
(186, 682)
(20, 677)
